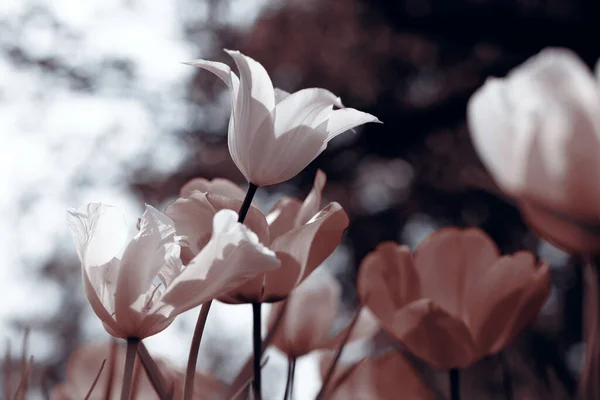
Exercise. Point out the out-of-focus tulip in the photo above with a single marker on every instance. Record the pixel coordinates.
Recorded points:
(455, 299)
(273, 135)
(538, 133)
(309, 316)
(141, 293)
(301, 235)
(388, 376)
(84, 365)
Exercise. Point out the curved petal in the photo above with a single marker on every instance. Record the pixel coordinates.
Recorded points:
(343, 120)
(308, 317)
(306, 107)
(383, 378)
(99, 232)
(387, 280)
(305, 247)
(255, 219)
(193, 218)
(448, 260)
(232, 256)
(570, 234)
(366, 327)
(280, 94)
(282, 217)
(312, 203)
(153, 246)
(220, 186)
(252, 124)
(434, 335)
(508, 297)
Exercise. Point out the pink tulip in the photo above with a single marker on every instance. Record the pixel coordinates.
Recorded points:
(301, 236)
(538, 133)
(309, 316)
(84, 365)
(273, 135)
(141, 293)
(382, 378)
(455, 299)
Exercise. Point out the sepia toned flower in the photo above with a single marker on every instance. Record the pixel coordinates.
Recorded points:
(140, 293)
(309, 316)
(455, 299)
(301, 234)
(380, 377)
(538, 133)
(273, 135)
(85, 363)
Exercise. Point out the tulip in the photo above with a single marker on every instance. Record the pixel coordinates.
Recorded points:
(455, 299)
(301, 236)
(85, 363)
(381, 378)
(141, 293)
(538, 133)
(309, 315)
(273, 135)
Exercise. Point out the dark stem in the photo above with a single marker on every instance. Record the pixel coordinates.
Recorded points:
(287, 393)
(190, 373)
(293, 378)
(245, 373)
(454, 375)
(338, 354)
(257, 342)
(132, 344)
(247, 202)
(89, 393)
(111, 370)
(154, 374)
(507, 384)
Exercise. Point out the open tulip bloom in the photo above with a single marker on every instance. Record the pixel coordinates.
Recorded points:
(301, 236)
(140, 293)
(455, 299)
(273, 135)
(538, 133)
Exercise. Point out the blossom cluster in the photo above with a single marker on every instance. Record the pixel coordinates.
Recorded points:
(448, 303)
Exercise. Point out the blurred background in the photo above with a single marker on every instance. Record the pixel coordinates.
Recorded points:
(95, 106)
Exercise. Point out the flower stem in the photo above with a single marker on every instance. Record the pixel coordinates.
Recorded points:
(154, 375)
(257, 341)
(289, 384)
(454, 375)
(190, 373)
(588, 386)
(338, 354)
(89, 393)
(247, 202)
(132, 345)
(506, 377)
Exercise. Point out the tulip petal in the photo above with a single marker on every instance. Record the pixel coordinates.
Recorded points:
(387, 280)
(307, 107)
(220, 186)
(99, 232)
(383, 378)
(153, 246)
(434, 335)
(312, 203)
(193, 218)
(308, 317)
(366, 327)
(450, 258)
(222, 71)
(232, 257)
(303, 249)
(505, 299)
(343, 120)
(280, 94)
(282, 217)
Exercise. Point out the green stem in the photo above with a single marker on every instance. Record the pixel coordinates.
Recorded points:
(132, 345)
